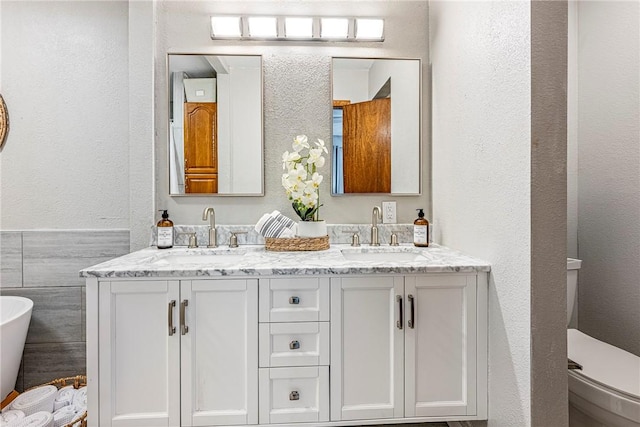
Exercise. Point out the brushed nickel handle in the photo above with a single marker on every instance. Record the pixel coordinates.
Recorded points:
(172, 329)
(294, 395)
(294, 300)
(294, 345)
(399, 322)
(411, 323)
(183, 323)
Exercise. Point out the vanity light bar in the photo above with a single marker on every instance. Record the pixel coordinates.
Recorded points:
(300, 28)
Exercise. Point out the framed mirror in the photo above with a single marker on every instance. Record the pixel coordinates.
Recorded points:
(376, 134)
(215, 125)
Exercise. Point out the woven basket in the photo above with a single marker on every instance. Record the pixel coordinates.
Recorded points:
(77, 382)
(297, 244)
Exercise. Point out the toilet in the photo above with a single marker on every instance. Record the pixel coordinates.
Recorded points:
(606, 391)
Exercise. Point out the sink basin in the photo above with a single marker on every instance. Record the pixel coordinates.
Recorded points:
(205, 259)
(382, 256)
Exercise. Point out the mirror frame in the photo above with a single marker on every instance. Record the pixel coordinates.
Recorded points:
(168, 126)
(420, 130)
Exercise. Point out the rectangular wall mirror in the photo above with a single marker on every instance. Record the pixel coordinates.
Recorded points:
(215, 125)
(376, 126)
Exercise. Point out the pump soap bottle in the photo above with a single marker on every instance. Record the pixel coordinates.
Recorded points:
(165, 231)
(421, 230)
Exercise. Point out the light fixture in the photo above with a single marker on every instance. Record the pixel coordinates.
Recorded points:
(369, 29)
(300, 28)
(225, 27)
(262, 26)
(297, 28)
(334, 28)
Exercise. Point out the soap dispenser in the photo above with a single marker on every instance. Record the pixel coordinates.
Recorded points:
(165, 231)
(421, 230)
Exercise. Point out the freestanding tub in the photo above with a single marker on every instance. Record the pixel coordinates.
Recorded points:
(15, 315)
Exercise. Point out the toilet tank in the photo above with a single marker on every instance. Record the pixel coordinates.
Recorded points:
(573, 265)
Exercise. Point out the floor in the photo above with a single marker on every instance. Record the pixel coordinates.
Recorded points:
(419, 425)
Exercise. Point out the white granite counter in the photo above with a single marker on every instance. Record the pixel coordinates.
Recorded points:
(254, 260)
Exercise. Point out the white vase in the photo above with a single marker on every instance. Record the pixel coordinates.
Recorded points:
(312, 228)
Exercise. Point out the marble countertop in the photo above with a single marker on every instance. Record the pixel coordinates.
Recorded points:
(254, 260)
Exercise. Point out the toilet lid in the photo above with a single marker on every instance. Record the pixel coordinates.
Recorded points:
(605, 364)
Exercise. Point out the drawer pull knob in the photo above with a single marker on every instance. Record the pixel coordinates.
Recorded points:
(294, 395)
(294, 345)
(294, 300)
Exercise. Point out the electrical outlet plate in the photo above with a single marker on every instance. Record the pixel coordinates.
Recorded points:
(388, 212)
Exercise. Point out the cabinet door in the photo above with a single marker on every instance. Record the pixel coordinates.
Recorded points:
(367, 348)
(200, 146)
(440, 370)
(138, 354)
(219, 352)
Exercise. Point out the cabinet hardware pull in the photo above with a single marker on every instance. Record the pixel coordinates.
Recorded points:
(400, 322)
(294, 300)
(172, 329)
(411, 323)
(294, 395)
(183, 323)
(294, 345)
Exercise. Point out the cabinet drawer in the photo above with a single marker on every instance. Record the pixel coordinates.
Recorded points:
(294, 344)
(294, 300)
(294, 395)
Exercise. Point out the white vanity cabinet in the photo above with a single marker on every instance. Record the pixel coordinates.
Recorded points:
(175, 353)
(404, 346)
(315, 349)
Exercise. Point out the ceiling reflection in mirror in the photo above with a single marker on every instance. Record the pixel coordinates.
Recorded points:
(215, 125)
(376, 126)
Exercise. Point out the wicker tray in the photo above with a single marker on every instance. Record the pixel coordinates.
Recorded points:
(77, 382)
(297, 244)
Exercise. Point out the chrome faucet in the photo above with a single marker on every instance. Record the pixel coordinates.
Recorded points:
(376, 216)
(210, 214)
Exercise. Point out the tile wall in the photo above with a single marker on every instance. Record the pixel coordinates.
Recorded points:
(43, 266)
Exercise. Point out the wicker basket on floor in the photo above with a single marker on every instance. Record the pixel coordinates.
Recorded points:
(77, 382)
(297, 244)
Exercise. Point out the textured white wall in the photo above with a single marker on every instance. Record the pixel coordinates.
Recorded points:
(481, 146)
(297, 98)
(609, 172)
(572, 133)
(65, 81)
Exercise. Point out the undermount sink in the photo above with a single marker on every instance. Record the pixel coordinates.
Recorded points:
(199, 258)
(382, 256)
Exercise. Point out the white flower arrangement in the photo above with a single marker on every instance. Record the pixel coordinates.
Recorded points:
(301, 180)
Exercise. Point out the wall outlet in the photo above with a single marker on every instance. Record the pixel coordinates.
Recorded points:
(388, 212)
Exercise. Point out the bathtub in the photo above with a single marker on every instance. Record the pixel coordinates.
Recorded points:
(15, 315)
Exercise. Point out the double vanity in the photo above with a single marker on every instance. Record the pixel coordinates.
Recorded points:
(238, 336)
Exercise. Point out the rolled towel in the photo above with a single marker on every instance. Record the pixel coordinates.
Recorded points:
(38, 419)
(275, 225)
(283, 219)
(64, 397)
(80, 398)
(9, 416)
(36, 400)
(64, 415)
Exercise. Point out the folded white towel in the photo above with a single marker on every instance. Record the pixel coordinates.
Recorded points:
(80, 398)
(64, 397)
(39, 419)
(64, 415)
(36, 400)
(9, 416)
(275, 225)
